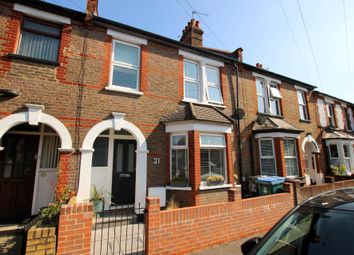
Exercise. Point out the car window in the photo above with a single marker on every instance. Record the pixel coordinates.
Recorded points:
(311, 232)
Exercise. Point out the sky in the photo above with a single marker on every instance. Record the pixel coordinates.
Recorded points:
(319, 51)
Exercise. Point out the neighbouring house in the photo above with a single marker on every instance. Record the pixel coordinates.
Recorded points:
(135, 113)
(336, 124)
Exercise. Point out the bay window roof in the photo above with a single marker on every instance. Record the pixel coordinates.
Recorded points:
(336, 135)
(274, 125)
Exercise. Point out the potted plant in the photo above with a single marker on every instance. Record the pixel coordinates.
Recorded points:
(97, 198)
(179, 181)
(215, 180)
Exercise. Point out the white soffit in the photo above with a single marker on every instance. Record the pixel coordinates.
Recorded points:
(276, 134)
(126, 38)
(202, 127)
(199, 58)
(301, 88)
(43, 15)
(267, 78)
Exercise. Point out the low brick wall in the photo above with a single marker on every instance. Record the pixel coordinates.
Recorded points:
(190, 229)
(41, 241)
(74, 231)
(303, 193)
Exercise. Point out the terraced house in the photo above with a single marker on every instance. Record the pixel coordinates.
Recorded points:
(135, 113)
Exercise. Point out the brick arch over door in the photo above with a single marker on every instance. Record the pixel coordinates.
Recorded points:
(34, 116)
(117, 123)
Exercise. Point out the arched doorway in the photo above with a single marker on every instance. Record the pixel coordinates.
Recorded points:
(110, 135)
(310, 149)
(29, 154)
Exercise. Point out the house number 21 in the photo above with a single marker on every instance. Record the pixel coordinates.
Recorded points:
(156, 161)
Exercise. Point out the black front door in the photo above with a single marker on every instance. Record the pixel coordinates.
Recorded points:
(17, 173)
(123, 182)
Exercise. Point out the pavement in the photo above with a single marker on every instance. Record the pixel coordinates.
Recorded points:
(232, 248)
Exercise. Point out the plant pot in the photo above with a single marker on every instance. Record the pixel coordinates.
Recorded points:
(98, 206)
(215, 183)
(179, 183)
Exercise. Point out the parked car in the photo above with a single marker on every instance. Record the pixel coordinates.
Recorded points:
(321, 225)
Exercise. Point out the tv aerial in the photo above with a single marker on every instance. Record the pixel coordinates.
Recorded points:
(198, 13)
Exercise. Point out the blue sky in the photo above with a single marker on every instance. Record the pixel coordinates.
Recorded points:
(261, 29)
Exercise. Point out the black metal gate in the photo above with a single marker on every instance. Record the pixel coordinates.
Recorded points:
(118, 230)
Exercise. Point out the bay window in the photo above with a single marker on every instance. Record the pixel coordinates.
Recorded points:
(267, 157)
(179, 160)
(212, 157)
(125, 66)
(290, 156)
(333, 154)
(346, 156)
(301, 99)
(39, 40)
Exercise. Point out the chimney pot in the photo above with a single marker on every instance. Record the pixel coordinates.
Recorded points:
(193, 34)
(238, 53)
(91, 8)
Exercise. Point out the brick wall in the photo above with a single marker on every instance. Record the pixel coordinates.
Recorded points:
(41, 241)
(74, 230)
(186, 230)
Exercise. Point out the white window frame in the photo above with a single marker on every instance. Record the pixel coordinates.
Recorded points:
(348, 123)
(302, 106)
(195, 81)
(292, 157)
(347, 158)
(203, 89)
(214, 85)
(330, 154)
(113, 63)
(267, 157)
(179, 147)
(263, 95)
(330, 117)
(203, 183)
(267, 83)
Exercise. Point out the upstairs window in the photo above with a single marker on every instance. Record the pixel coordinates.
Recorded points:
(179, 160)
(191, 80)
(212, 157)
(268, 97)
(301, 99)
(267, 157)
(213, 83)
(39, 40)
(330, 115)
(347, 119)
(125, 66)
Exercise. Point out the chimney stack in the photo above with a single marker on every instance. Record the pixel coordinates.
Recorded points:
(259, 65)
(238, 53)
(193, 34)
(91, 8)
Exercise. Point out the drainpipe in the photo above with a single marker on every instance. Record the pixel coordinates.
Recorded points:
(238, 129)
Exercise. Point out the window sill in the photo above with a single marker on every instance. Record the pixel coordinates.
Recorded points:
(123, 90)
(271, 115)
(200, 103)
(178, 188)
(305, 121)
(36, 60)
(225, 186)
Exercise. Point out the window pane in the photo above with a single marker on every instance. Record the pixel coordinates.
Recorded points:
(191, 70)
(179, 140)
(268, 166)
(212, 162)
(274, 91)
(39, 46)
(302, 112)
(266, 147)
(346, 151)
(212, 140)
(125, 77)
(179, 164)
(274, 107)
(289, 147)
(261, 104)
(50, 153)
(191, 90)
(300, 97)
(260, 87)
(29, 24)
(100, 154)
(291, 166)
(126, 54)
(214, 94)
(212, 75)
(333, 151)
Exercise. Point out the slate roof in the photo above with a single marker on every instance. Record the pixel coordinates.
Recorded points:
(199, 112)
(336, 135)
(274, 125)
